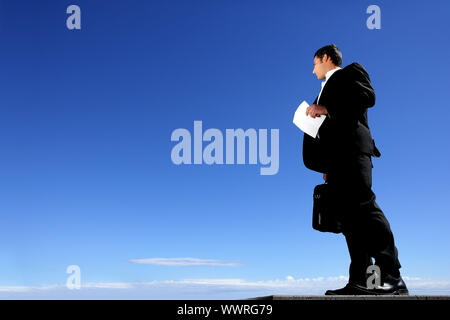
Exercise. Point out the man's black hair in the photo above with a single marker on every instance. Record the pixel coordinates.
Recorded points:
(332, 51)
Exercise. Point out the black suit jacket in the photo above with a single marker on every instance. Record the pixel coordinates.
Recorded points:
(345, 132)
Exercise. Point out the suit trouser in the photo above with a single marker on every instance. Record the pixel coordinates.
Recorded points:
(366, 229)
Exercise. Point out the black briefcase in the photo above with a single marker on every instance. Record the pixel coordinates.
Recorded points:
(324, 219)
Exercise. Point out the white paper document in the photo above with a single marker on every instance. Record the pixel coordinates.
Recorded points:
(305, 122)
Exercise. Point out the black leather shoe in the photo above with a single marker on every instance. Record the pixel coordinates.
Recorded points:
(349, 290)
(391, 286)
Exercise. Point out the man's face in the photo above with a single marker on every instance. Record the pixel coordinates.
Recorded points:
(320, 67)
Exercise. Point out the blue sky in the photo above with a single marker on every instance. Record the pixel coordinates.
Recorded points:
(85, 126)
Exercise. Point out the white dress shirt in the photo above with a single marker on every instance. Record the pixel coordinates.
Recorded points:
(327, 76)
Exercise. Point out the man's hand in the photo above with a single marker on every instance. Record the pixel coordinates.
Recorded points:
(325, 177)
(315, 110)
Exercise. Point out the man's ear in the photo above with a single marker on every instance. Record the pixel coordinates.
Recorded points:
(325, 58)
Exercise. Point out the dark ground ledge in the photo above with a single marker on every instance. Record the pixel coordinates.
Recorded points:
(312, 298)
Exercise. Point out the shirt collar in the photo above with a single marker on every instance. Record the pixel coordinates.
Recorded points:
(330, 73)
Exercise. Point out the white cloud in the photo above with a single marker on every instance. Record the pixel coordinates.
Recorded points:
(183, 262)
(229, 288)
(26, 288)
(14, 289)
(107, 285)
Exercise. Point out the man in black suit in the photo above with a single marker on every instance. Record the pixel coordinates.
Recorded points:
(342, 151)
